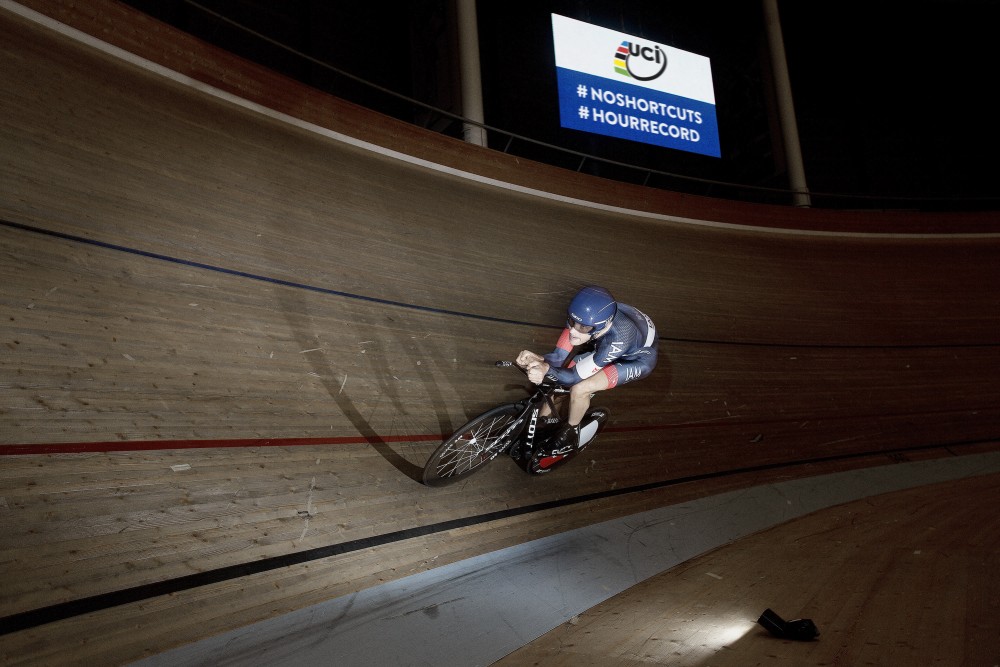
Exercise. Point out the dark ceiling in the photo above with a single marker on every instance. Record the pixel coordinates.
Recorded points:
(893, 101)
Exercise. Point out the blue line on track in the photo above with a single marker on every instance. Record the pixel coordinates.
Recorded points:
(455, 313)
(266, 279)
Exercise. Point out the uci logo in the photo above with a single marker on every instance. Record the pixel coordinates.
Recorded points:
(642, 63)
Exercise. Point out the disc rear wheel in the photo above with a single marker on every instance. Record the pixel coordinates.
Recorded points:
(471, 447)
(544, 460)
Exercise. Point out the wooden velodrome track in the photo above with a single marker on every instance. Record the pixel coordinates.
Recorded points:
(235, 328)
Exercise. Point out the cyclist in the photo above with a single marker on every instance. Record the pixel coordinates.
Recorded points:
(604, 344)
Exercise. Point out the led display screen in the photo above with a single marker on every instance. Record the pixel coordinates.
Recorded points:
(618, 85)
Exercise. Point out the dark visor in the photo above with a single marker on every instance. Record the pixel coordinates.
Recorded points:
(582, 328)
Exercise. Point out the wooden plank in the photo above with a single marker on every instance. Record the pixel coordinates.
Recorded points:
(900, 578)
(179, 270)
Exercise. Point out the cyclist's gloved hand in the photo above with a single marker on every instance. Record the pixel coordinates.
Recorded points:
(537, 371)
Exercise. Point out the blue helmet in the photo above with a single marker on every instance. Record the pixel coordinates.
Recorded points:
(592, 307)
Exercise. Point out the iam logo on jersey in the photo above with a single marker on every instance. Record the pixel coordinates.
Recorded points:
(642, 63)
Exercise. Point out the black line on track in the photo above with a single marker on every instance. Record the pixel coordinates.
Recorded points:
(64, 610)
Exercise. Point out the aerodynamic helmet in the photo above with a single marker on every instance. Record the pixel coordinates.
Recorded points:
(591, 310)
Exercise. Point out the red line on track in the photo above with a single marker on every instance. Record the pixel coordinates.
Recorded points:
(155, 445)
(151, 445)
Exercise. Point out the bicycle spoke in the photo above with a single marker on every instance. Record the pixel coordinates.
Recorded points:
(476, 444)
(470, 449)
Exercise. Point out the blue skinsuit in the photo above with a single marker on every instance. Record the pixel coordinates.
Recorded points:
(625, 353)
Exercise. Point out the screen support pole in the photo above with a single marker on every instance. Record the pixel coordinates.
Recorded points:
(471, 76)
(786, 109)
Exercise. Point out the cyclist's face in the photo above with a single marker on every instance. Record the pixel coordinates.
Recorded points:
(578, 333)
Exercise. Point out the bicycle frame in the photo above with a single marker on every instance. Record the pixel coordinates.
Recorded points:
(524, 433)
(512, 427)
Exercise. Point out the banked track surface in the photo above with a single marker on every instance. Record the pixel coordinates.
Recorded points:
(268, 329)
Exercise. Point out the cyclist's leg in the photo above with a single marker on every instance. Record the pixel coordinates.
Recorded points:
(546, 411)
(608, 377)
(581, 393)
(567, 438)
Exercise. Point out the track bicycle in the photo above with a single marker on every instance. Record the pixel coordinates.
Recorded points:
(517, 429)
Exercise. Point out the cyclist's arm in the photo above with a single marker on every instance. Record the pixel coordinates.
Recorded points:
(563, 376)
(584, 366)
(557, 357)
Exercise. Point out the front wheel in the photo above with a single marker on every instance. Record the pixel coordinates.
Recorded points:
(472, 446)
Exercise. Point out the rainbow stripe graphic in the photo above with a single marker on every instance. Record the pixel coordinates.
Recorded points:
(621, 58)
